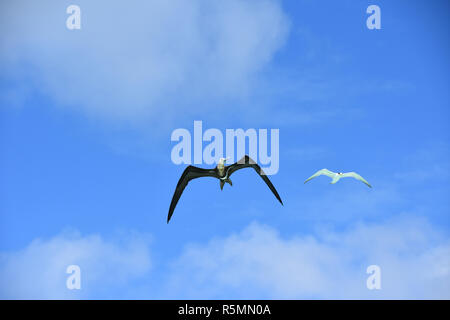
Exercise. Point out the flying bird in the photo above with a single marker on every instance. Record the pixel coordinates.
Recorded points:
(338, 175)
(221, 172)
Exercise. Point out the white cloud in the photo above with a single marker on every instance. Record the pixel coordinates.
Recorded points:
(137, 60)
(255, 263)
(39, 270)
(260, 263)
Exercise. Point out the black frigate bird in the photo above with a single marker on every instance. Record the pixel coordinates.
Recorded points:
(221, 172)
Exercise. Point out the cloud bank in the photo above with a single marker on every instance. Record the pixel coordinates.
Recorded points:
(256, 263)
(39, 270)
(137, 60)
(260, 263)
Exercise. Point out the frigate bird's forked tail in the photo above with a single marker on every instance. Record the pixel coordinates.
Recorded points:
(222, 183)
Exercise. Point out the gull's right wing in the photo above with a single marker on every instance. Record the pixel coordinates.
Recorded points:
(357, 177)
(189, 173)
(324, 172)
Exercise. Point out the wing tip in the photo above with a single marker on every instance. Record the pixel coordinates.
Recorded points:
(169, 217)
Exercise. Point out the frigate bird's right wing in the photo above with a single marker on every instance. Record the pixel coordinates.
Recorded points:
(247, 162)
(325, 172)
(189, 173)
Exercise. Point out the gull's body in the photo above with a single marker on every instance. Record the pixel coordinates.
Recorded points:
(336, 176)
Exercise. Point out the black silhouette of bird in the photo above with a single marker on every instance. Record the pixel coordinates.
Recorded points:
(221, 172)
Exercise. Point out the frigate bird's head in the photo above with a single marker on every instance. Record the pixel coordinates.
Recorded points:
(340, 173)
(222, 162)
(221, 165)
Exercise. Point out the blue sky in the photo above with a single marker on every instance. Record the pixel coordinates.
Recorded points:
(86, 176)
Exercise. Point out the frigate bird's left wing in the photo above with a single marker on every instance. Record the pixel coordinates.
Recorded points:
(247, 162)
(189, 173)
(357, 177)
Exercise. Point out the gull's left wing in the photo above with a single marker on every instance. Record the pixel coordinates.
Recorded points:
(324, 172)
